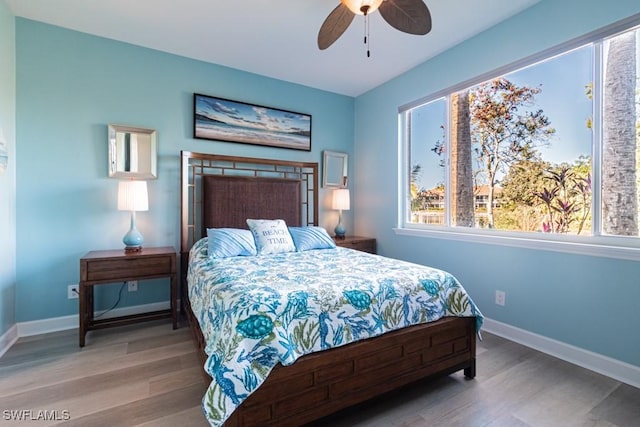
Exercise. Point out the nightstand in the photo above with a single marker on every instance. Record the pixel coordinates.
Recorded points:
(364, 244)
(108, 267)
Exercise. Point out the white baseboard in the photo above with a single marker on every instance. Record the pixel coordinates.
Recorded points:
(8, 339)
(613, 368)
(55, 324)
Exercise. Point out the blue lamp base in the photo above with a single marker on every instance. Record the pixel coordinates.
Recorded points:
(340, 230)
(133, 239)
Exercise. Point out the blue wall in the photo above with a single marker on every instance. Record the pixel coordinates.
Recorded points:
(8, 179)
(69, 87)
(588, 302)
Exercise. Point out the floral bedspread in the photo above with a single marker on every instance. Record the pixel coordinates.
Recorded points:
(258, 311)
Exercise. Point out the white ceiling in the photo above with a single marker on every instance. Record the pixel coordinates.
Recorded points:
(275, 38)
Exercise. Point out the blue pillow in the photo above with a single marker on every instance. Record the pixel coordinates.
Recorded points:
(271, 236)
(230, 242)
(306, 238)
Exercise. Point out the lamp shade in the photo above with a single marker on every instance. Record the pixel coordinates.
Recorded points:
(133, 196)
(356, 6)
(341, 199)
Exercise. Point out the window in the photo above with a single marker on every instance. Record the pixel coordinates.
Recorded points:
(548, 151)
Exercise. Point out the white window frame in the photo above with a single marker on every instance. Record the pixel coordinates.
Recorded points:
(617, 247)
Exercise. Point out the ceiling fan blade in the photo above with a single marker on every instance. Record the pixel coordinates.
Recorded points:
(336, 23)
(409, 16)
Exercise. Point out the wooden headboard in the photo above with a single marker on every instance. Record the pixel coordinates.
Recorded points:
(223, 191)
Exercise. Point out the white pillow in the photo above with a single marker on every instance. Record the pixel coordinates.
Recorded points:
(271, 235)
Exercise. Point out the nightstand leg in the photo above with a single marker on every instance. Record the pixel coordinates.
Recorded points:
(174, 301)
(82, 313)
(89, 307)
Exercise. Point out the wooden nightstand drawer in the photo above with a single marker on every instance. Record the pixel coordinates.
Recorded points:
(364, 244)
(121, 269)
(116, 266)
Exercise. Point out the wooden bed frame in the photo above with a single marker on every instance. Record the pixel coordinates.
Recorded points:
(321, 383)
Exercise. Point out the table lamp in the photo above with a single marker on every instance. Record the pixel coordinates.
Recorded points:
(340, 202)
(132, 196)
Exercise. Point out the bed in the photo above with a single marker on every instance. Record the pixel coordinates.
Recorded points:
(322, 371)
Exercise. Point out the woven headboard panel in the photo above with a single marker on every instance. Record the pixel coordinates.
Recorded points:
(229, 200)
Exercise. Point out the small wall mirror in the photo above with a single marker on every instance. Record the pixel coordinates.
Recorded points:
(132, 152)
(334, 169)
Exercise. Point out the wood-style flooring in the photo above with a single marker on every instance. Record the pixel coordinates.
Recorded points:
(149, 375)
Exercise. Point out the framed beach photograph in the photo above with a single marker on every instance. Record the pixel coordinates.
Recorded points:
(233, 121)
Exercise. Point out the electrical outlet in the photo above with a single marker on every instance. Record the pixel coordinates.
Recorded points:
(72, 291)
(132, 285)
(501, 297)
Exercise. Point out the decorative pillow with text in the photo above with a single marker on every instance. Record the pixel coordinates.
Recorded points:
(271, 236)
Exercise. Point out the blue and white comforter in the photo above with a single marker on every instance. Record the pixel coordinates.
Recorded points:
(258, 311)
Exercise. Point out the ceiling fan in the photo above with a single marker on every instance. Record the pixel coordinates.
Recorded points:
(409, 16)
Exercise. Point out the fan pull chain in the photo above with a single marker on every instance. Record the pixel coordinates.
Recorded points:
(366, 33)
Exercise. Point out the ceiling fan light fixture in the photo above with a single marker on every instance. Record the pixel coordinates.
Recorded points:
(360, 6)
(408, 16)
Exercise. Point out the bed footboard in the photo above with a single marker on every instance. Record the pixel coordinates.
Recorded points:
(323, 383)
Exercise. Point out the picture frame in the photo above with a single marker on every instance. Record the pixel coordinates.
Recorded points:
(133, 152)
(334, 169)
(227, 120)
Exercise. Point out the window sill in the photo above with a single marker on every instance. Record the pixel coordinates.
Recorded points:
(604, 249)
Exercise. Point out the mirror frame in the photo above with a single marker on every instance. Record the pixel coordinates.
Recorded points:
(113, 131)
(335, 181)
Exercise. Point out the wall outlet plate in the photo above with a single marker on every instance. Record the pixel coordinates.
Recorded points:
(72, 291)
(501, 297)
(132, 285)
